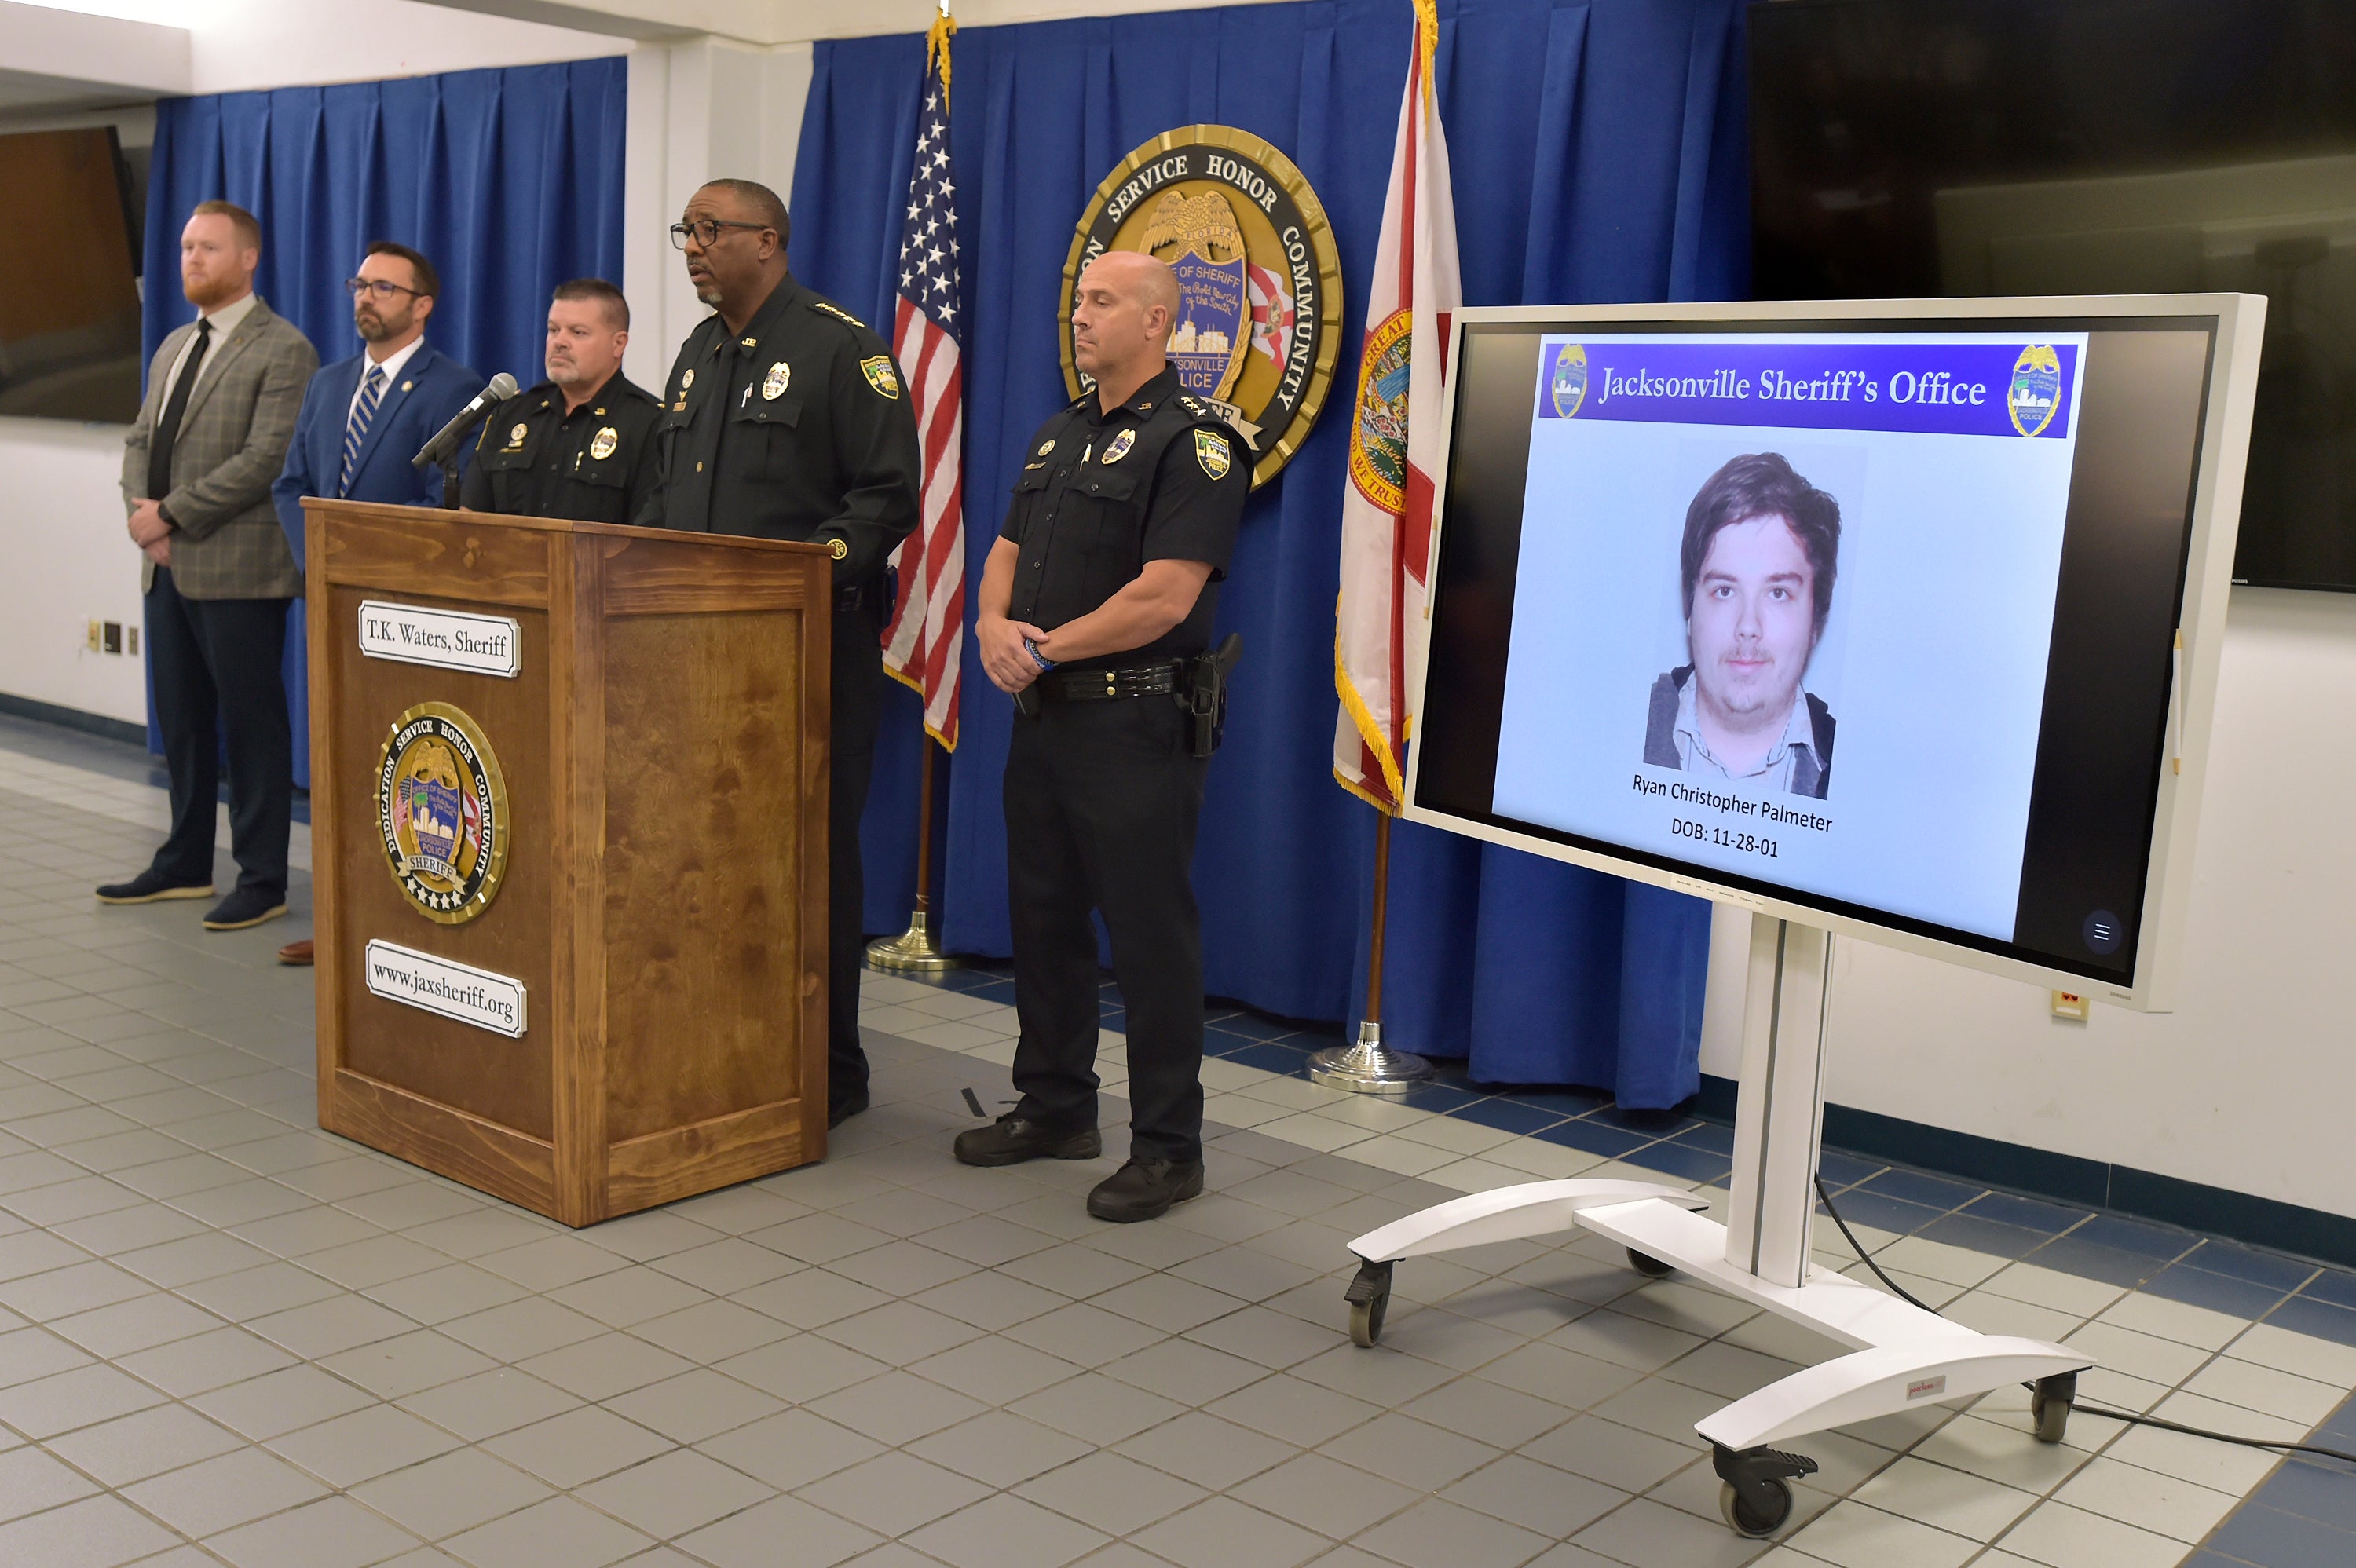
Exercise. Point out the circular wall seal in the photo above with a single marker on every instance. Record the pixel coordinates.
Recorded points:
(1259, 281)
(442, 813)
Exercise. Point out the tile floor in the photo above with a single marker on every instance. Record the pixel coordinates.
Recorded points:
(226, 1336)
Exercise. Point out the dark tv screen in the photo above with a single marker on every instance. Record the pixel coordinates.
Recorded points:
(1952, 148)
(69, 285)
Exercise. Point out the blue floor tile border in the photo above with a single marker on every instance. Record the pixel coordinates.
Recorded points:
(120, 730)
(2302, 1515)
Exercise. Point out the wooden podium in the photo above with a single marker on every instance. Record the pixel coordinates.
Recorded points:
(569, 842)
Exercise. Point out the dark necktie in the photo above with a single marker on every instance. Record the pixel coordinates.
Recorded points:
(168, 428)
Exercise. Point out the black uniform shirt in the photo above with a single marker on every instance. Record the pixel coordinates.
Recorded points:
(797, 428)
(1162, 478)
(596, 465)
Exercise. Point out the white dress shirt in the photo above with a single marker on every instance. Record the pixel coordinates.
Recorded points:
(391, 367)
(226, 321)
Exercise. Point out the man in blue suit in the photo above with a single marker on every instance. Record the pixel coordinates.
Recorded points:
(364, 418)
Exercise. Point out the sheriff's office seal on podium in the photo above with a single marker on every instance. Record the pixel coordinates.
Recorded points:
(1259, 282)
(442, 812)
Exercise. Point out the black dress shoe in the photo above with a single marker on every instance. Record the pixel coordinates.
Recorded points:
(1145, 1189)
(147, 888)
(1013, 1138)
(840, 1111)
(243, 908)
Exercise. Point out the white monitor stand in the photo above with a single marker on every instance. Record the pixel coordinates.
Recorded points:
(1901, 1356)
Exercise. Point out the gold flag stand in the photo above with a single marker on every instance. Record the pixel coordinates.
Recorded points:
(916, 950)
(1366, 1066)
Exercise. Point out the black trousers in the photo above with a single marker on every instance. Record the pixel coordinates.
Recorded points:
(216, 669)
(1102, 800)
(857, 689)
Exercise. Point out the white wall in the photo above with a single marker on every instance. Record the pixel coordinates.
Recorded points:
(2248, 1085)
(69, 562)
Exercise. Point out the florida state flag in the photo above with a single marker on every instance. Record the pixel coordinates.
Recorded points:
(1379, 626)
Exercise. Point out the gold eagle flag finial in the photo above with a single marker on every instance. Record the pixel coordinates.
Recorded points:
(1205, 224)
(936, 46)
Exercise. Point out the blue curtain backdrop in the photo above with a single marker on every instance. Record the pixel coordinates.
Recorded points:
(1598, 152)
(510, 180)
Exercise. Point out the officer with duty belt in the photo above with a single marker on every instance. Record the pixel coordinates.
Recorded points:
(1095, 613)
(580, 443)
(785, 419)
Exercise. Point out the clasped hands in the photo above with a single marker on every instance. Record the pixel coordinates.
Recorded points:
(151, 533)
(1004, 659)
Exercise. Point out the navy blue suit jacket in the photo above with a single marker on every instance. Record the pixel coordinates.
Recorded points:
(432, 389)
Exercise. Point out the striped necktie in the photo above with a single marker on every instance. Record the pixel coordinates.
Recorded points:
(357, 427)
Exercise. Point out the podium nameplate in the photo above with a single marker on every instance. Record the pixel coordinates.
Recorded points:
(451, 990)
(445, 639)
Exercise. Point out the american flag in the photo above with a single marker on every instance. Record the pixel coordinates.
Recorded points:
(923, 643)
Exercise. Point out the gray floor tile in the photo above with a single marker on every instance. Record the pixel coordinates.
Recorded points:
(1005, 1531)
(794, 1448)
(453, 1492)
(1553, 1503)
(522, 1329)
(235, 1488)
(711, 1330)
(280, 1401)
(695, 1405)
(994, 1371)
(133, 1447)
(96, 1533)
(62, 1401)
(1325, 1495)
(407, 1363)
(900, 1332)
(1436, 1533)
(439, 1294)
(490, 1402)
(628, 1295)
(1116, 1495)
(802, 1369)
(557, 1533)
(348, 1449)
(1221, 1533)
(674, 1493)
(1299, 1413)
(208, 1361)
(897, 1407)
(749, 1539)
(607, 1365)
(579, 1445)
(334, 1532)
(1404, 1449)
(894, 1493)
(30, 1481)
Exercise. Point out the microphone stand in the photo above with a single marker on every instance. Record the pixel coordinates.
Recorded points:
(450, 483)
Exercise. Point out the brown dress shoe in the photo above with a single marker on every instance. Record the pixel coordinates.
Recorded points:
(295, 952)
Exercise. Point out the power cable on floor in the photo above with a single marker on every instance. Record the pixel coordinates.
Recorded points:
(2103, 1412)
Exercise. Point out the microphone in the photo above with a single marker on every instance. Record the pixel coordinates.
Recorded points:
(444, 444)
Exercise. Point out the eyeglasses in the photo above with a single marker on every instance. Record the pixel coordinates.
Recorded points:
(380, 287)
(705, 229)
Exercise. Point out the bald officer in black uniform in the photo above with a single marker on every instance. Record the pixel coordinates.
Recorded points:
(581, 445)
(785, 419)
(1096, 600)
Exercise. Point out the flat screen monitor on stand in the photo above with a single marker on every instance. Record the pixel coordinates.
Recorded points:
(1889, 620)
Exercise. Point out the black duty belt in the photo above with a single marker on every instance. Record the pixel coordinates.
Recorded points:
(857, 596)
(1082, 683)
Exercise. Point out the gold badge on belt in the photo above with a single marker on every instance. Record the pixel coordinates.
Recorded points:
(442, 813)
(602, 444)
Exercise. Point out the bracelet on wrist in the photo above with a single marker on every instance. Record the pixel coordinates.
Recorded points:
(1038, 658)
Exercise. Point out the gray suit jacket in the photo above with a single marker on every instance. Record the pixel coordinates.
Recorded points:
(233, 436)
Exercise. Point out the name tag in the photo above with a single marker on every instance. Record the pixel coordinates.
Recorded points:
(447, 989)
(447, 639)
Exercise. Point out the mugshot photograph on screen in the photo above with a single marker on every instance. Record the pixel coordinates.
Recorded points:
(1909, 665)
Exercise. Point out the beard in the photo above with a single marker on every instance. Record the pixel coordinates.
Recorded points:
(207, 292)
(375, 328)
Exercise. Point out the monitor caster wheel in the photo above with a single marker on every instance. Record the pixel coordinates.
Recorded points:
(1648, 1266)
(2049, 1403)
(1369, 1296)
(1754, 1493)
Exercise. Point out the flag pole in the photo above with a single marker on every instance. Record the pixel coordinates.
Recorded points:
(1366, 1066)
(916, 950)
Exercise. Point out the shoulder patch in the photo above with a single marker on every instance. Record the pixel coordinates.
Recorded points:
(881, 375)
(828, 307)
(1212, 452)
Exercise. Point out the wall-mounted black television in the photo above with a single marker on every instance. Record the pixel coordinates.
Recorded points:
(1907, 149)
(69, 277)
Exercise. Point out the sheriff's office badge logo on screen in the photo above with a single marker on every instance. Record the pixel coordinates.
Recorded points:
(881, 375)
(1568, 384)
(2036, 390)
(1260, 281)
(442, 813)
(602, 444)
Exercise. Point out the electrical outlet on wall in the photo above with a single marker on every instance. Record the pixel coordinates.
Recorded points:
(2069, 1005)
(131, 640)
(97, 636)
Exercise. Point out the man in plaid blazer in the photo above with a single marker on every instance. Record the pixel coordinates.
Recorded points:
(196, 470)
